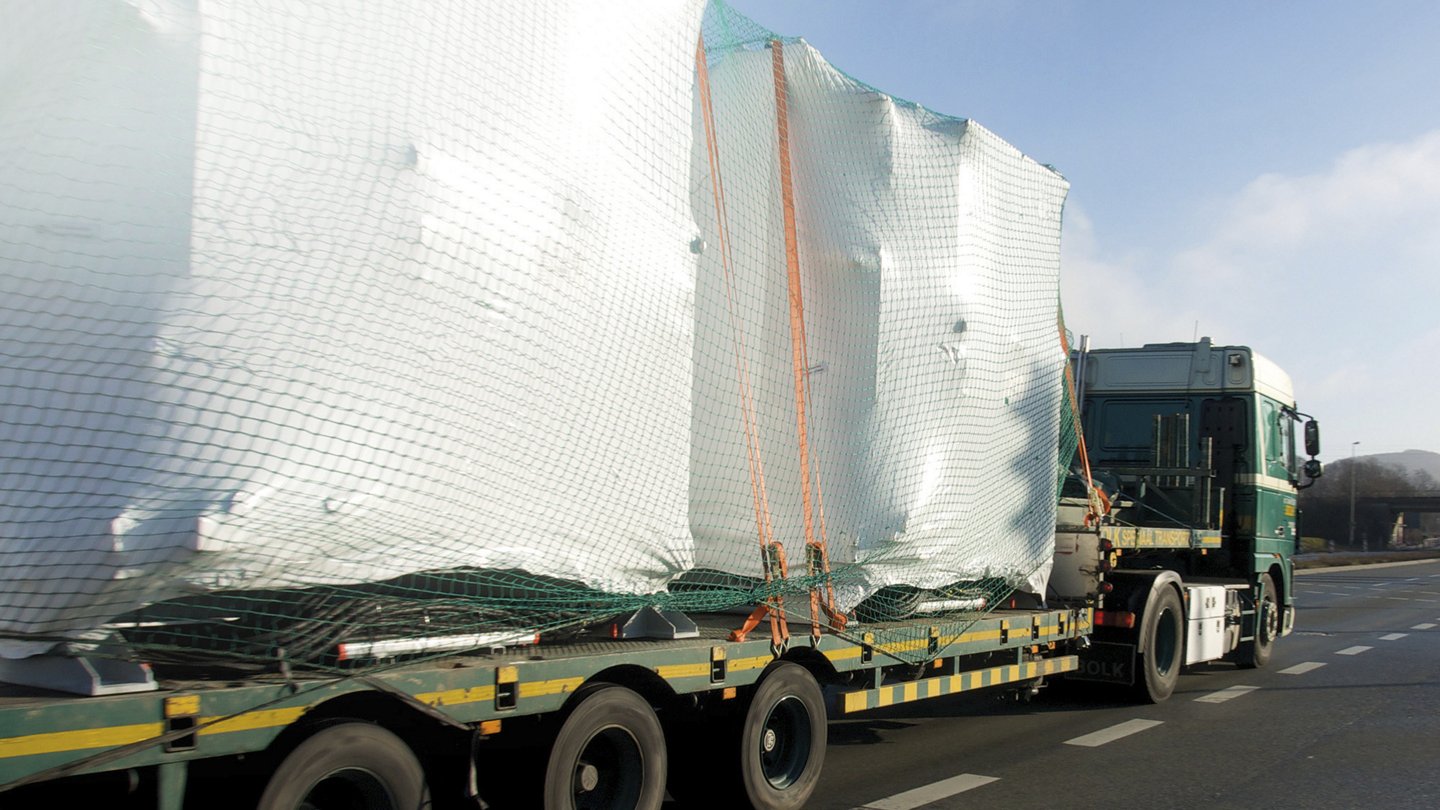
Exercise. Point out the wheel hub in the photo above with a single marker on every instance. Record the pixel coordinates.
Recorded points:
(587, 777)
(770, 740)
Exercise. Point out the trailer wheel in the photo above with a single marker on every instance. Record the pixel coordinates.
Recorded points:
(1256, 653)
(782, 742)
(348, 766)
(609, 754)
(765, 753)
(1162, 634)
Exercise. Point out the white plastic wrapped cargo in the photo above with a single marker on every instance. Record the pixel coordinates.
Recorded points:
(930, 255)
(340, 291)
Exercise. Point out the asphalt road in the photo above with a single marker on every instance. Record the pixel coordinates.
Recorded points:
(1346, 715)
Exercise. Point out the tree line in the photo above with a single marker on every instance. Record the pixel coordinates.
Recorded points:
(1325, 507)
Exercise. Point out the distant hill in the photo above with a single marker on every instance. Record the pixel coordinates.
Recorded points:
(1409, 460)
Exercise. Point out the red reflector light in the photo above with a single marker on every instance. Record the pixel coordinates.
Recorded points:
(1114, 618)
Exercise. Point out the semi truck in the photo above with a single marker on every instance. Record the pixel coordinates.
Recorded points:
(1178, 554)
(392, 405)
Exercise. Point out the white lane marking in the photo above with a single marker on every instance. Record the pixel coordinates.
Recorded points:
(1393, 636)
(932, 792)
(1423, 626)
(1399, 598)
(1226, 694)
(1115, 732)
(1301, 669)
(1356, 650)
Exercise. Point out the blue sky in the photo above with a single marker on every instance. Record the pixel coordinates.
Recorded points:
(1268, 169)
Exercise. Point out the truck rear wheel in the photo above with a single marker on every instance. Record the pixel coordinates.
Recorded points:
(348, 766)
(609, 754)
(1256, 653)
(1162, 635)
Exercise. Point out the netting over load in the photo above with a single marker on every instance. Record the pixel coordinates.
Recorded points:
(362, 320)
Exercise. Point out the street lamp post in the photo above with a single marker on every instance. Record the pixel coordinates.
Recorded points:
(1352, 496)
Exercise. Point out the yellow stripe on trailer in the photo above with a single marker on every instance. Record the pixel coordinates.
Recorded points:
(756, 662)
(54, 742)
(251, 721)
(457, 697)
(671, 671)
(862, 699)
(553, 687)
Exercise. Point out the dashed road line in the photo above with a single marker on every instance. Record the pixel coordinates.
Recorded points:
(1113, 733)
(1393, 636)
(1226, 694)
(1301, 669)
(1356, 650)
(1423, 626)
(1398, 598)
(927, 794)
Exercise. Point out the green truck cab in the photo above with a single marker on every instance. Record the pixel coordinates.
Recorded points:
(1194, 446)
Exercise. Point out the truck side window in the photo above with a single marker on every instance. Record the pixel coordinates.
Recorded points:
(1288, 428)
(1279, 441)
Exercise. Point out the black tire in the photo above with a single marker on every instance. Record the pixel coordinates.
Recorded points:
(610, 754)
(1256, 653)
(1162, 635)
(348, 766)
(782, 740)
(768, 757)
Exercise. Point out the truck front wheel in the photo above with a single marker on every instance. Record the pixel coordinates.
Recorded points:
(1256, 653)
(348, 766)
(1162, 635)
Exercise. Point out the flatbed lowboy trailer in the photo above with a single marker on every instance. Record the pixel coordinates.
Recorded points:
(153, 739)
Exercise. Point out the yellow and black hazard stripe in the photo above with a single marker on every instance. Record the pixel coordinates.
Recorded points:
(861, 700)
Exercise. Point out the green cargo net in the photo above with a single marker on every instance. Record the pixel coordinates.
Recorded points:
(395, 329)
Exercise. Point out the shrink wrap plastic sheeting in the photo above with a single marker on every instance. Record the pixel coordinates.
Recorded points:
(930, 256)
(310, 298)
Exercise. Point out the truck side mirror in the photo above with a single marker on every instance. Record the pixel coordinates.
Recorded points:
(1312, 440)
(1314, 469)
